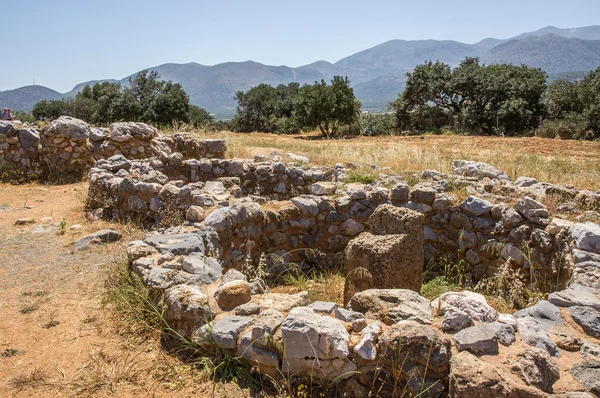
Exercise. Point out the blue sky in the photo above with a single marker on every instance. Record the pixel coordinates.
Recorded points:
(64, 42)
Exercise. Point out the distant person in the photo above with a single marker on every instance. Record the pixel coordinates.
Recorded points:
(9, 115)
(4, 113)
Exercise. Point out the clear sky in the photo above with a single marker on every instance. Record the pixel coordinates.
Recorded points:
(61, 43)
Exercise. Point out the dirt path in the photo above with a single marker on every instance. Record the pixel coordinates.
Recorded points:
(56, 337)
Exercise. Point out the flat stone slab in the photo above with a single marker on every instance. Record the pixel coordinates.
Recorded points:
(99, 237)
(588, 318)
(534, 334)
(347, 315)
(323, 307)
(478, 339)
(226, 330)
(576, 295)
(545, 313)
(177, 244)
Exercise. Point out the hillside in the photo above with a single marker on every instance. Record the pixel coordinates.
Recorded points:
(553, 53)
(377, 74)
(24, 98)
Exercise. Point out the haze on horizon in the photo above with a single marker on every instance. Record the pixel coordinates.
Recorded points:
(69, 42)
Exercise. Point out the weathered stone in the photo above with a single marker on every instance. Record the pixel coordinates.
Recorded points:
(125, 131)
(316, 345)
(323, 188)
(366, 347)
(392, 305)
(586, 236)
(478, 339)
(194, 214)
(587, 274)
(226, 330)
(347, 315)
(232, 294)
(480, 170)
(536, 368)
(504, 332)
(247, 309)
(99, 237)
(544, 312)
(68, 127)
(307, 206)
(588, 374)
(29, 138)
(471, 377)
(576, 295)
(323, 307)
(283, 302)
(416, 348)
(138, 251)
(187, 308)
(422, 194)
(455, 320)
(178, 244)
(588, 318)
(266, 361)
(476, 206)
(400, 192)
(474, 304)
(532, 333)
(391, 220)
(533, 210)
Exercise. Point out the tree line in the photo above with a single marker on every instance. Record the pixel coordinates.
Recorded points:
(147, 99)
(498, 99)
(290, 108)
(471, 98)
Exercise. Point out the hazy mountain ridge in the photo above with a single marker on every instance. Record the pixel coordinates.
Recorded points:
(378, 74)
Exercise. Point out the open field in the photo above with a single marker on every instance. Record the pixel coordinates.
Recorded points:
(569, 162)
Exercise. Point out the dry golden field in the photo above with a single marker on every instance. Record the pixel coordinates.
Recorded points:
(572, 162)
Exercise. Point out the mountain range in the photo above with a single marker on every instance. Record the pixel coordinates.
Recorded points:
(378, 74)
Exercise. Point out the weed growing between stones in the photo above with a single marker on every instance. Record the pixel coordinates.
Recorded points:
(62, 227)
(362, 176)
(9, 352)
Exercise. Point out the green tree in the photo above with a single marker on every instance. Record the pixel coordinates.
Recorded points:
(255, 109)
(327, 107)
(472, 95)
(49, 110)
(199, 117)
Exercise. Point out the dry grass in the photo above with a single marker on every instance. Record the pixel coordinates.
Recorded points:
(557, 161)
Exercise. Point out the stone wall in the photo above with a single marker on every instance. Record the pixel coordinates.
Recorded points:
(324, 213)
(387, 342)
(68, 143)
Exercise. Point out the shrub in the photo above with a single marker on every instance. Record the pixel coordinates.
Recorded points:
(570, 128)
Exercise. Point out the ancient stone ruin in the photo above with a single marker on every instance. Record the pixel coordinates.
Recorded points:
(223, 219)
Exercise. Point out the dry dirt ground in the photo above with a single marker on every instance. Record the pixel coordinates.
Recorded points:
(57, 338)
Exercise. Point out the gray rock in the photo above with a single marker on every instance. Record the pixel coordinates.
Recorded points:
(587, 274)
(98, 134)
(455, 320)
(576, 295)
(581, 256)
(536, 368)
(206, 270)
(316, 346)
(265, 325)
(557, 225)
(400, 192)
(533, 210)
(544, 312)
(588, 374)
(306, 205)
(422, 194)
(178, 244)
(114, 163)
(283, 302)
(504, 332)
(125, 131)
(476, 206)
(323, 307)
(99, 237)
(157, 280)
(323, 188)
(392, 305)
(68, 127)
(226, 330)
(479, 340)
(588, 318)
(525, 182)
(532, 333)
(187, 308)
(366, 347)
(29, 138)
(247, 309)
(267, 361)
(474, 304)
(586, 236)
(347, 315)
(510, 217)
(7, 129)
(480, 170)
